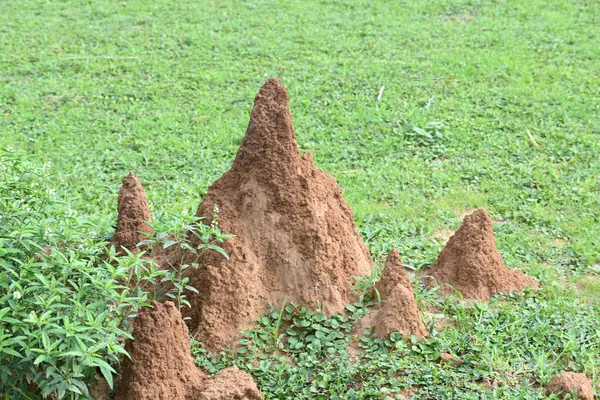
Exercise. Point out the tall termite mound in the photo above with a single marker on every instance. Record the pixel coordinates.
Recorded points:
(161, 366)
(470, 263)
(133, 211)
(295, 237)
(399, 312)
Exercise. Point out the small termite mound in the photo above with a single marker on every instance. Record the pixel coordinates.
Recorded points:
(133, 213)
(398, 312)
(231, 383)
(161, 366)
(471, 263)
(393, 273)
(570, 383)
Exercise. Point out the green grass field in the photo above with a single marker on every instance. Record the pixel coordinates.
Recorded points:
(492, 104)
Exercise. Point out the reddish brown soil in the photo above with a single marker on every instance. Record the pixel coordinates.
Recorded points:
(571, 383)
(399, 312)
(295, 236)
(161, 366)
(470, 263)
(393, 273)
(230, 383)
(133, 211)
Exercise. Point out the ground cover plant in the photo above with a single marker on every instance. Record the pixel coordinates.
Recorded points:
(484, 104)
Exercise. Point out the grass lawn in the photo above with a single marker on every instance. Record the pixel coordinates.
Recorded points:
(492, 104)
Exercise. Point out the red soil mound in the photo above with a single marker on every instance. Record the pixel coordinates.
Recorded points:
(231, 383)
(399, 313)
(470, 262)
(295, 236)
(570, 383)
(133, 211)
(162, 367)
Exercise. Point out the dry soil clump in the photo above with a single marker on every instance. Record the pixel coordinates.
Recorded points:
(162, 367)
(133, 211)
(295, 237)
(470, 262)
(231, 383)
(571, 383)
(399, 312)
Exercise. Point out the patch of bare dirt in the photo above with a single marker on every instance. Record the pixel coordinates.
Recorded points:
(559, 242)
(133, 212)
(571, 383)
(406, 394)
(461, 18)
(295, 237)
(470, 263)
(587, 280)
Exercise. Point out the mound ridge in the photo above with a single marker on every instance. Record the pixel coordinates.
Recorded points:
(471, 263)
(295, 237)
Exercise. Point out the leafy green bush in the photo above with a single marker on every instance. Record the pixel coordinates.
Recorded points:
(65, 309)
(192, 237)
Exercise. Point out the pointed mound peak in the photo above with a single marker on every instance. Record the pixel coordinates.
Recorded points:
(394, 258)
(393, 274)
(471, 263)
(271, 94)
(479, 220)
(270, 138)
(131, 179)
(133, 212)
(399, 310)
